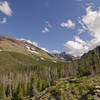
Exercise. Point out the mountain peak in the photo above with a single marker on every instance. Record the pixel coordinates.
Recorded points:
(64, 56)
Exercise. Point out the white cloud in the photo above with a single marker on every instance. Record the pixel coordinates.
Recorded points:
(81, 31)
(68, 24)
(5, 8)
(74, 45)
(56, 51)
(4, 20)
(90, 23)
(77, 47)
(79, 40)
(47, 27)
(45, 49)
(45, 30)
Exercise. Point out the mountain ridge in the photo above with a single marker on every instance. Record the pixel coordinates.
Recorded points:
(65, 56)
(22, 46)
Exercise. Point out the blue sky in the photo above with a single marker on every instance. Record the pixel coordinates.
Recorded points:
(53, 24)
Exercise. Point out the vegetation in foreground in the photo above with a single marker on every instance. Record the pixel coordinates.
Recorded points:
(73, 88)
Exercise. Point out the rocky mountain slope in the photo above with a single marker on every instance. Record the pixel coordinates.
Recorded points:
(21, 46)
(64, 56)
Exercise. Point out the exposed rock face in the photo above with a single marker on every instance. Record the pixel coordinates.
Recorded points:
(96, 91)
(65, 56)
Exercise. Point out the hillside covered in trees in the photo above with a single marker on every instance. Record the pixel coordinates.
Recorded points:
(28, 76)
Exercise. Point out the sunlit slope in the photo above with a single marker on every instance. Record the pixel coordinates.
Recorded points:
(11, 44)
(13, 61)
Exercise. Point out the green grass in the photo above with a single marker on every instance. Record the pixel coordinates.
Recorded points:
(14, 60)
(77, 90)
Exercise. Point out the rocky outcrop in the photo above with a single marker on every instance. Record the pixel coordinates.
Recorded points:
(96, 91)
(65, 56)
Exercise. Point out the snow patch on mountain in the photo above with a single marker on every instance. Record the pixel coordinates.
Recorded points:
(32, 50)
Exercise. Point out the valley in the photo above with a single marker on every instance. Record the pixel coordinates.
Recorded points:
(28, 75)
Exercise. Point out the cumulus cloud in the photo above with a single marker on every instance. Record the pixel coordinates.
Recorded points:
(4, 20)
(77, 47)
(90, 23)
(47, 27)
(45, 30)
(5, 8)
(68, 24)
(81, 31)
(55, 51)
(79, 40)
